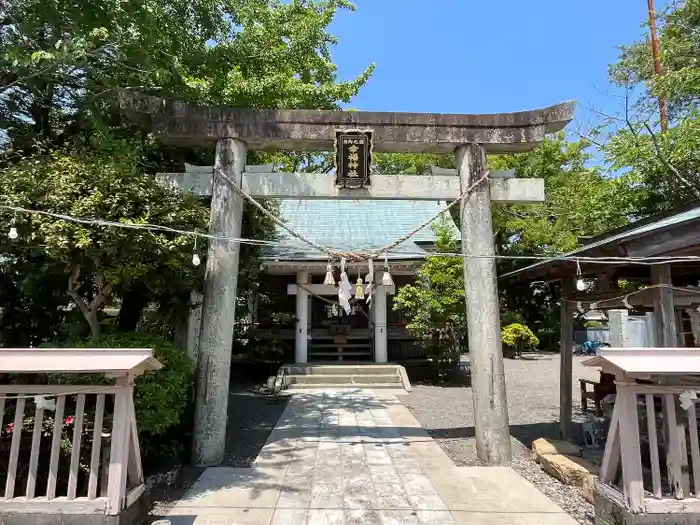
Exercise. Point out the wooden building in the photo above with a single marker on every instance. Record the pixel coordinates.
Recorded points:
(661, 252)
(372, 332)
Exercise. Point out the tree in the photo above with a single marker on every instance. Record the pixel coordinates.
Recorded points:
(665, 166)
(62, 62)
(99, 261)
(580, 201)
(679, 41)
(411, 163)
(434, 303)
(517, 337)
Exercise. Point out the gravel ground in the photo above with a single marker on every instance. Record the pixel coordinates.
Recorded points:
(533, 404)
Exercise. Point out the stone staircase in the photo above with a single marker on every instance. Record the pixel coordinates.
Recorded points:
(313, 375)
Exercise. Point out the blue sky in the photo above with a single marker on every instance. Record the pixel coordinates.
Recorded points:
(471, 56)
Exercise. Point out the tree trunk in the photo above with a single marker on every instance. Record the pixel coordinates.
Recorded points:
(93, 322)
(134, 301)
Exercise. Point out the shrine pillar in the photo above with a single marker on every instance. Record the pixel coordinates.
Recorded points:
(482, 306)
(301, 342)
(219, 306)
(380, 315)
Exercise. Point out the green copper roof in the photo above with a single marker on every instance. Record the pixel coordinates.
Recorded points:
(354, 225)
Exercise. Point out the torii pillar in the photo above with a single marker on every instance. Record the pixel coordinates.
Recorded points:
(470, 136)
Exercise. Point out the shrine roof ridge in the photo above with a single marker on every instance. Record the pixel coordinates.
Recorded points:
(314, 130)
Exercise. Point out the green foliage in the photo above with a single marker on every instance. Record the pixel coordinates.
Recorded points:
(434, 303)
(664, 166)
(679, 41)
(518, 337)
(60, 65)
(101, 260)
(580, 201)
(61, 61)
(410, 163)
(161, 397)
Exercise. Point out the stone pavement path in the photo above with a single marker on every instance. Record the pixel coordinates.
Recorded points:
(345, 457)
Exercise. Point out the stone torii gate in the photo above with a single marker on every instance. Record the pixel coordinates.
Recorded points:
(470, 137)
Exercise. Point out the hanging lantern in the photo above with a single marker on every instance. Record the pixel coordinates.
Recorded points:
(329, 280)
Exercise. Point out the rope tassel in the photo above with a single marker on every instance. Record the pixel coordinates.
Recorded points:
(329, 280)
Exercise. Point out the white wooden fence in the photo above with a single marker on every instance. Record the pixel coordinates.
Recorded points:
(77, 454)
(80, 453)
(652, 457)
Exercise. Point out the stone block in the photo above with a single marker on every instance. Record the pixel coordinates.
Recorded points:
(588, 488)
(564, 469)
(542, 446)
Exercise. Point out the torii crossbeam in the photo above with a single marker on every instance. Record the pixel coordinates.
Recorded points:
(470, 137)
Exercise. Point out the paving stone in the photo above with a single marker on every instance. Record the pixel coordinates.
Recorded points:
(290, 517)
(407, 466)
(395, 500)
(360, 500)
(208, 516)
(326, 496)
(417, 484)
(384, 474)
(362, 517)
(435, 517)
(510, 518)
(348, 457)
(294, 499)
(325, 517)
(399, 517)
(426, 502)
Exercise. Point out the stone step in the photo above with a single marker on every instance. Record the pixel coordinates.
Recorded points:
(339, 369)
(343, 379)
(339, 354)
(313, 346)
(321, 386)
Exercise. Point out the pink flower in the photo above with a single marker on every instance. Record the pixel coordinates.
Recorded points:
(10, 428)
(69, 420)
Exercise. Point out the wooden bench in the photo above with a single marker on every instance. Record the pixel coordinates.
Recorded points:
(601, 388)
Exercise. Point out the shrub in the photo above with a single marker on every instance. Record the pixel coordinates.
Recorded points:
(517, 337)
(161, 397)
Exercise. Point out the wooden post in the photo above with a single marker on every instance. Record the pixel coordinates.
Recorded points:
(119, 451)
(566, 352)
(482, 307)
(667, 335)
(301, 345)
(630, 449)
(219, 308)
(380, 335)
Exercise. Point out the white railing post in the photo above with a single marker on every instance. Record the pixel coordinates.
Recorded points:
(630, 449)
(119, 453)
